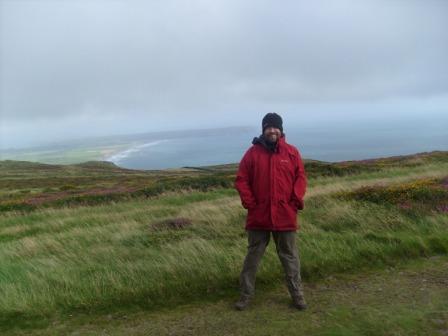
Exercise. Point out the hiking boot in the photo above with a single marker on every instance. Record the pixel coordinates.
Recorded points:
(242, 303)
(299, 303)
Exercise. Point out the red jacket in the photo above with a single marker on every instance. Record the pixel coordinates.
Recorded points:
(271, 186)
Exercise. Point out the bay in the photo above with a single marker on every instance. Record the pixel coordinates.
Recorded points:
(326, 141)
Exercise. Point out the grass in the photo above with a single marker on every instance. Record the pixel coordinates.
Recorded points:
(407, 299)
(122, 254)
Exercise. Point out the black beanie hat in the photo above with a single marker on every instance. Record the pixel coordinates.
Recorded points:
(273, 120)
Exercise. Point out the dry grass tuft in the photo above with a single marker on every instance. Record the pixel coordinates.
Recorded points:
(172, 223)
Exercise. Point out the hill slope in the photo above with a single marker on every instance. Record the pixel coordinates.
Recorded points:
(179, 237)
(27, 185)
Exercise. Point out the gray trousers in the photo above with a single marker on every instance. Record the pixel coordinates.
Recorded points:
(285, 244)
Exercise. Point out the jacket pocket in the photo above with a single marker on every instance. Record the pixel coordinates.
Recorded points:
(257, 214)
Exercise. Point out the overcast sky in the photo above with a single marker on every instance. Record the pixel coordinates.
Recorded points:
(79, 68)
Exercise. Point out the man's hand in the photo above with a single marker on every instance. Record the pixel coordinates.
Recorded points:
(298, 203)
(249, 206)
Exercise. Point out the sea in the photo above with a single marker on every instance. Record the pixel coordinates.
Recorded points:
(326, 141)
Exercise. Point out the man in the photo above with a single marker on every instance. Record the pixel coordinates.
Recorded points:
(271, 182)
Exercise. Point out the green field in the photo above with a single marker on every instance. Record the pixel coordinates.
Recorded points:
(66, 155)
(94, 240)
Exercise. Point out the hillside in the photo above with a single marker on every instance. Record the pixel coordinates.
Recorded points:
(28, 185)
(94, 248)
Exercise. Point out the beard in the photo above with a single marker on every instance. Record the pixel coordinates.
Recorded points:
(270, 140)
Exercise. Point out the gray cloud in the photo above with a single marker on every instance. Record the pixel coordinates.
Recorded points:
(164, 61)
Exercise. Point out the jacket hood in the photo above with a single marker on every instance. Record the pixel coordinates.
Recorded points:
(272, 147)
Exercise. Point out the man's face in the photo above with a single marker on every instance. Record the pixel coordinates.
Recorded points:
(272, 134)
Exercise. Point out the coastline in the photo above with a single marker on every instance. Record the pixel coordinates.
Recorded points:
(117, 156)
